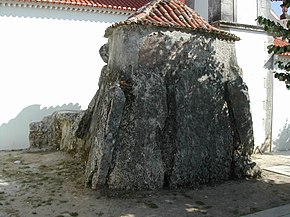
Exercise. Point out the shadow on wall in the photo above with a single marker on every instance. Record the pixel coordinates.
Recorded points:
(15, 134)
(282, 142)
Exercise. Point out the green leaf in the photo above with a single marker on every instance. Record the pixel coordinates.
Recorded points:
(277, 30)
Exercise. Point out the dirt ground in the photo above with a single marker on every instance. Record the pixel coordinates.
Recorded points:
(50, 184)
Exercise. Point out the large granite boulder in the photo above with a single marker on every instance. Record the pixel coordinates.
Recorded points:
(171, 111)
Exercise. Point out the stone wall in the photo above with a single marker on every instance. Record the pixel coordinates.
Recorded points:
(57, 132)
(171, 111)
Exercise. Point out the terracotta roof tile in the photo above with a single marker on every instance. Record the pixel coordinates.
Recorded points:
(173, 14)
(128, 5)
(279, 42)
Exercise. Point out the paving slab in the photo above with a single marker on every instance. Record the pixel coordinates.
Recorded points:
(281, 169)
(280, 211)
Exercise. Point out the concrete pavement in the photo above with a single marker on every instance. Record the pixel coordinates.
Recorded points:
(280, 211)
(280, 165)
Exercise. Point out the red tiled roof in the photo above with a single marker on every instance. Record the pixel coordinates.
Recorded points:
(128, 5)
(172, 14)
(279, 42)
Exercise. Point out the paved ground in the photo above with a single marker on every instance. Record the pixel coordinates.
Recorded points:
(281, 211)
(276, 163)
(51, 185)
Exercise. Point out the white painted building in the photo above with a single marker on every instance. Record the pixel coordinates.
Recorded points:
(281, 114)
(49, 57)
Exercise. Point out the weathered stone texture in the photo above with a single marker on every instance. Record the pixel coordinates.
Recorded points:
(171, 111)
(57, 132)
(104, 53)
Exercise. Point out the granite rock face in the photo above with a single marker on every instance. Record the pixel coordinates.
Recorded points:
(57, 132)
(171, 111)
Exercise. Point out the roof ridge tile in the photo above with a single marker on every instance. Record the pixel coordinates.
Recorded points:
(126, 5)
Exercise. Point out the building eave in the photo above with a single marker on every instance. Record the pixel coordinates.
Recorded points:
(232, 25)
(65, 7)
(282, 56)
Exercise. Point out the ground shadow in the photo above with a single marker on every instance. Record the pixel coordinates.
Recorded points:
(282, 142)
(24, 175)
(15, 133)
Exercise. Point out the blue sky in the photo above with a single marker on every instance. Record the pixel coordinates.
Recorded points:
(276, 7)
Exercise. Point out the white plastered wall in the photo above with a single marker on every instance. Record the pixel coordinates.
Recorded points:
(247, 11)
(281, 114)
(49, 58)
